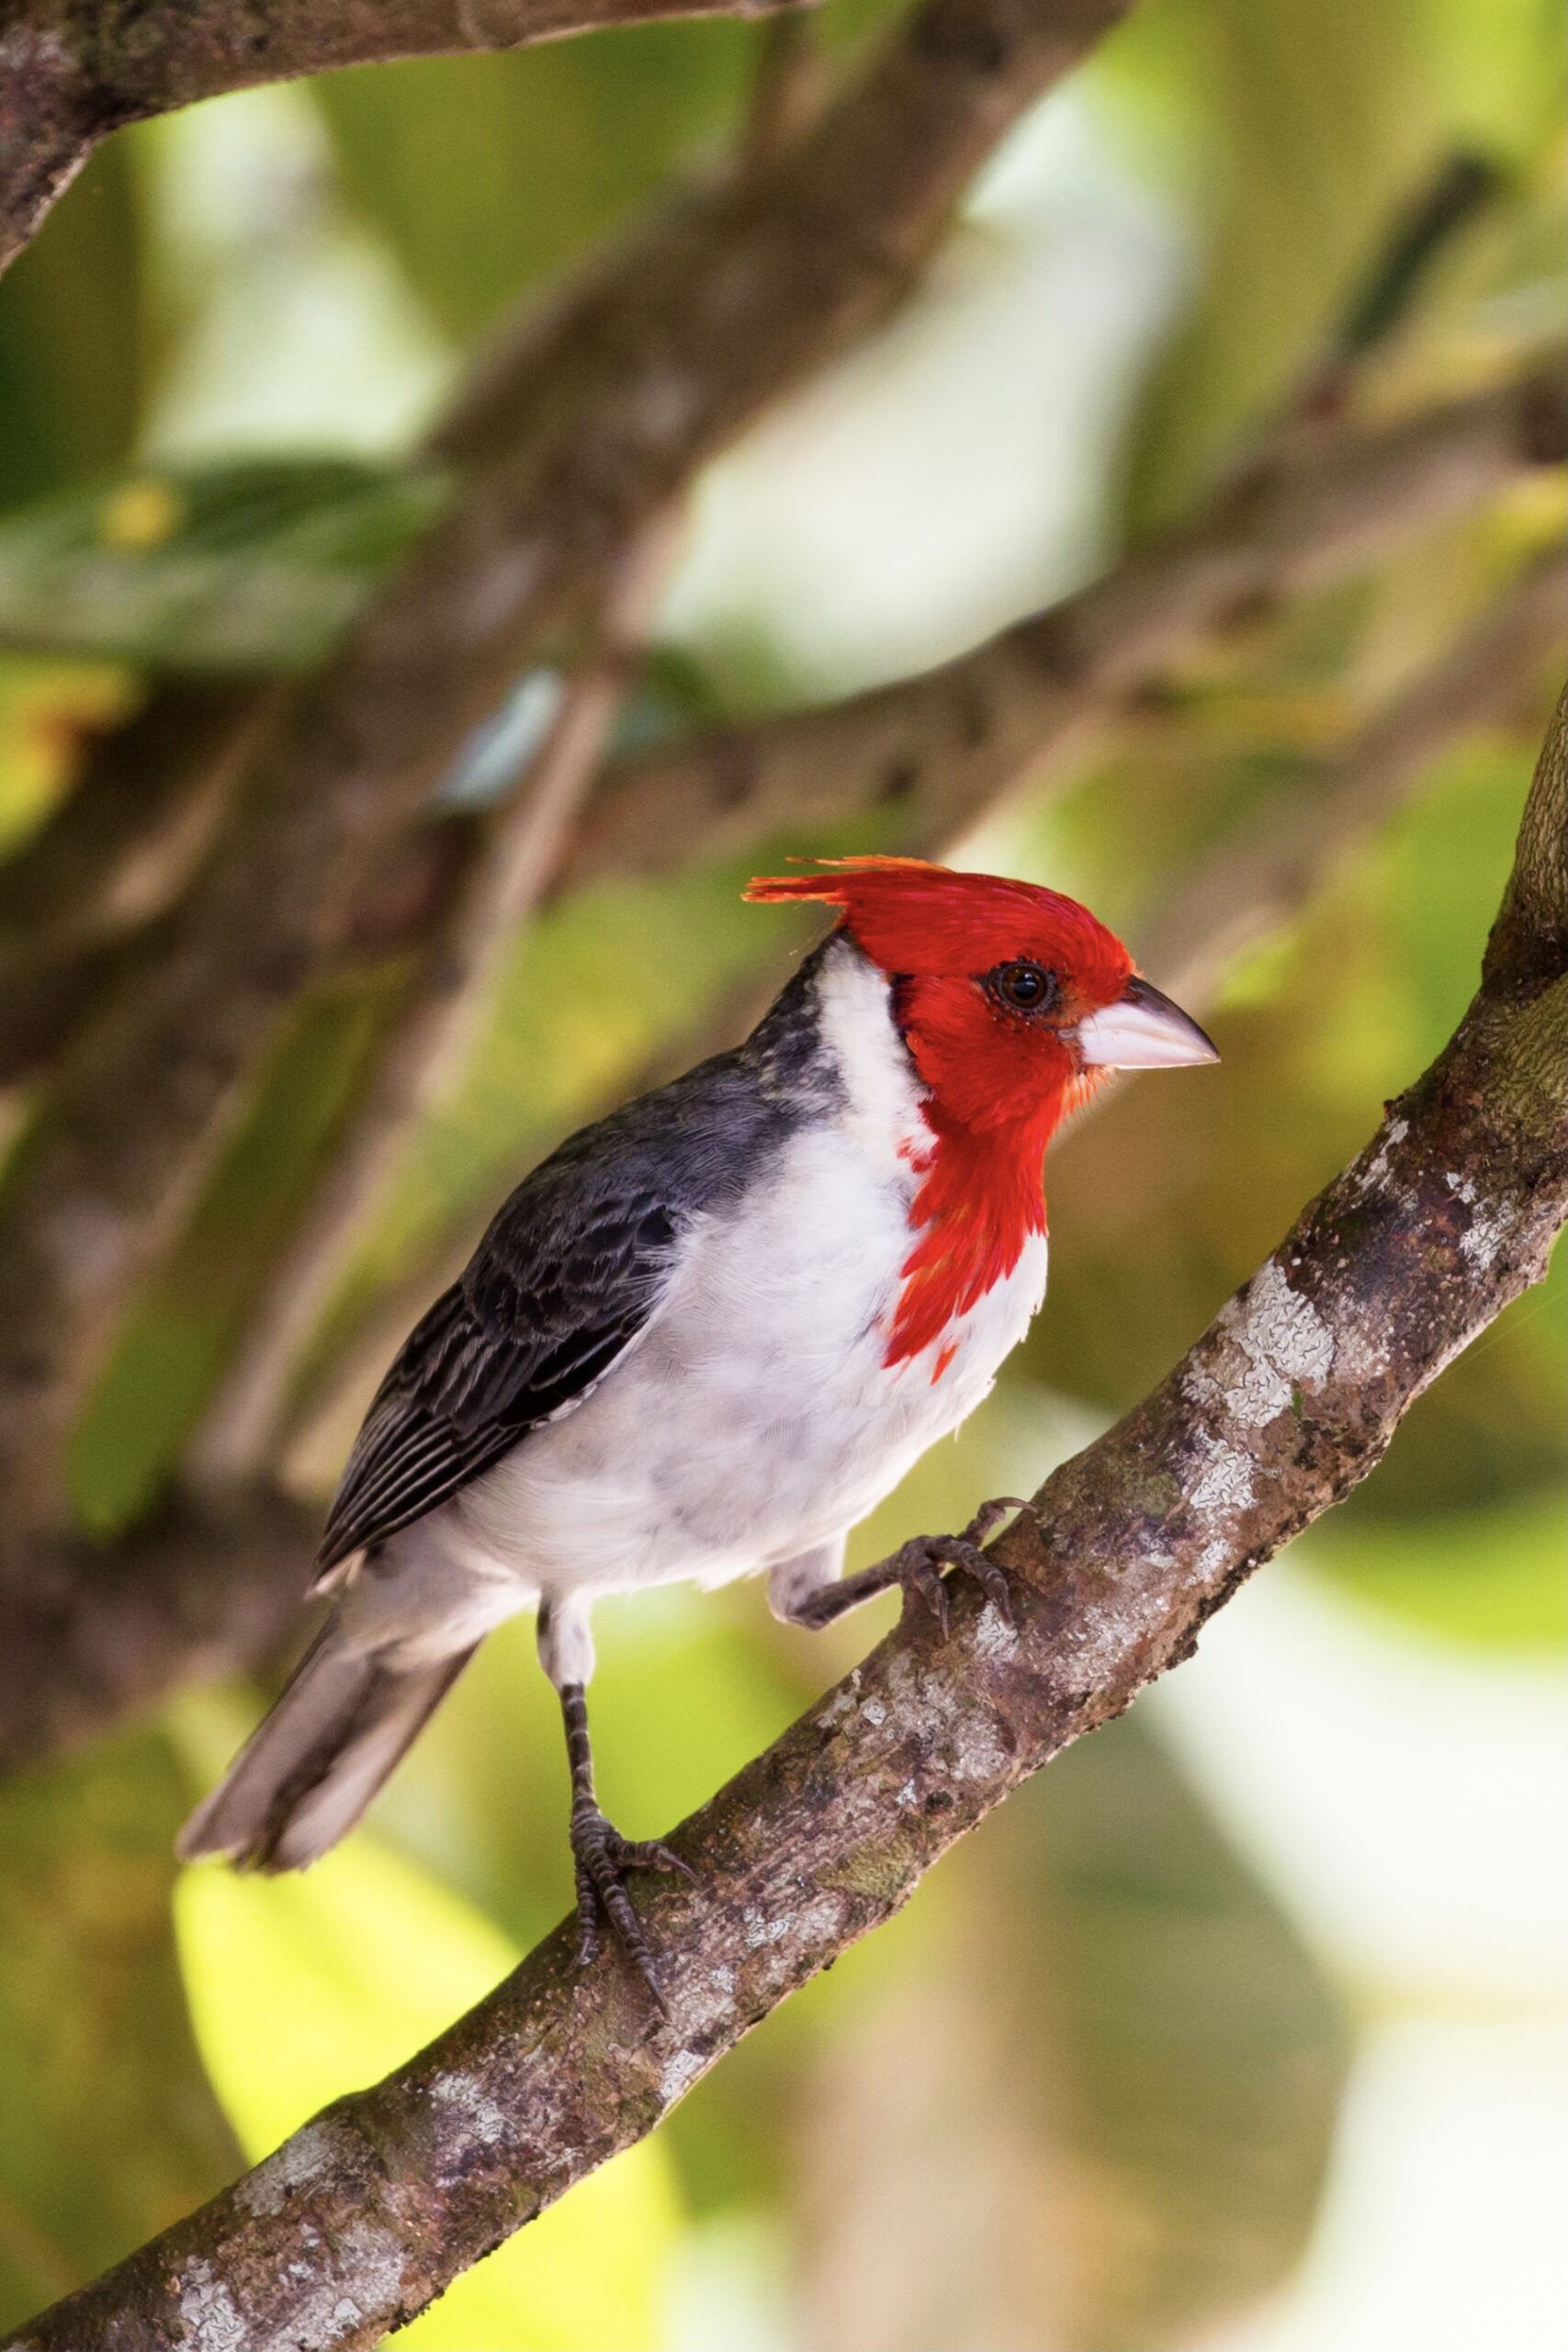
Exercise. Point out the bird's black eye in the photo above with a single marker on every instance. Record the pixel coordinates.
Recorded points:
(1025, 987)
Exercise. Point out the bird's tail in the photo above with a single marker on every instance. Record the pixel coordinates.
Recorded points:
(343, 1721)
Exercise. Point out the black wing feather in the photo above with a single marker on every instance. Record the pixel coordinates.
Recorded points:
(495, 1356)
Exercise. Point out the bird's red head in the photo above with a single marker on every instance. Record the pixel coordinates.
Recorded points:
(1013, 1002)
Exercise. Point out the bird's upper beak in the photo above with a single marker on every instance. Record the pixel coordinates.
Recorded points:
(1143, 1030)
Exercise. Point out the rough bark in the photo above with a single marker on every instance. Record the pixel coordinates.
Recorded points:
(72, 71)
(1286, 1402)
(759, 284)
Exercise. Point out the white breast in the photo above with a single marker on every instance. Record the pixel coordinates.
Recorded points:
(757, 1418)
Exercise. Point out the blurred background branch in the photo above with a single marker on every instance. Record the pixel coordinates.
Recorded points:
(937, 749)
(1253, 884)
(90, 1640)
(76, 70)
(1283, 1404)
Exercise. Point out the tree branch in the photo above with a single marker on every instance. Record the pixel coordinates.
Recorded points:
(940, 748)
(756, 286)
(72, 71)
(109, 859)
(1288, 1400)
(93, 1634)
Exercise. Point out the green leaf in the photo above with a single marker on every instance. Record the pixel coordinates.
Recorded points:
(71, 344)
(484, 173)
(249, 565)
(302, 1988)
(112, 2133)
(1301, 130)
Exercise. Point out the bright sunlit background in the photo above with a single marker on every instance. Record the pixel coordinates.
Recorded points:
(1241, 2030)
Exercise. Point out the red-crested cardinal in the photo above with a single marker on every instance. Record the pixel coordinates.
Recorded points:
(705, 1336)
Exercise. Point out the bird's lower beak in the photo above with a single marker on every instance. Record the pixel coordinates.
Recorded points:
(1143, 1030)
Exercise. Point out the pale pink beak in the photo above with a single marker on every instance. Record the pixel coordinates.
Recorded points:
(1143, 1030)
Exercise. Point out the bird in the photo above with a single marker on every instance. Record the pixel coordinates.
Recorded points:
(706, 1336)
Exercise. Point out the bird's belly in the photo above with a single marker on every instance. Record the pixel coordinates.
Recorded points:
(757, 1417)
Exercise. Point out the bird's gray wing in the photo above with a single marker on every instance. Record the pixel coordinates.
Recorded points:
(547, 1305)
(571, 1270)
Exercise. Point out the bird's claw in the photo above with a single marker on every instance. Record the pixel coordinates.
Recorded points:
(602, 1858)
(919, 1564)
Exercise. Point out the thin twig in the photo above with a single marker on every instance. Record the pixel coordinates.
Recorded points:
(433, 1030)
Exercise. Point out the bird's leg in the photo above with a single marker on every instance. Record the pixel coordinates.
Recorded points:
(602, 1855)
(918, 1567)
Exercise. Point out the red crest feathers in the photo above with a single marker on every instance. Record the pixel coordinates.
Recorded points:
(911, 917)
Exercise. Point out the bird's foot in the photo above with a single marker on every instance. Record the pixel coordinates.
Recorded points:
(919, 1565)
(602, 1858)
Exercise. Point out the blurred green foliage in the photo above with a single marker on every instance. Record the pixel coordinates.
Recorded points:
(111, 2130)
(485, 175)
(1083, 2093)
(253, 566)
(1298, 135)
(73, 355)
(303, 1988)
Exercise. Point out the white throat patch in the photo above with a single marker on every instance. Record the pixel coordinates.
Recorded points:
(885, 1106)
